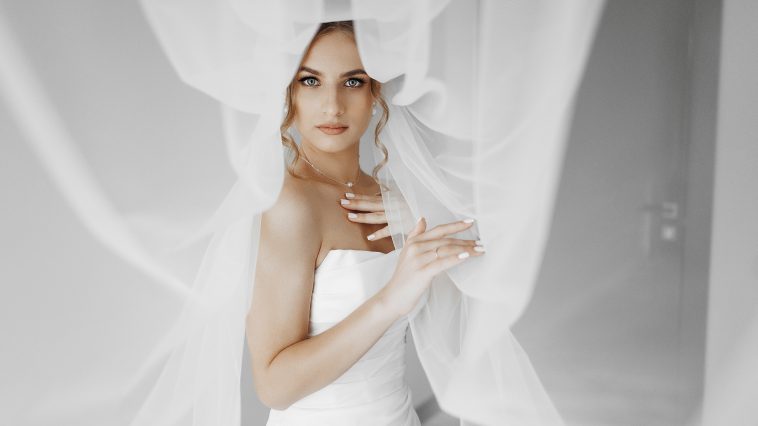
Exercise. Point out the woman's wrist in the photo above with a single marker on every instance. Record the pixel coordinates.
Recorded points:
(384, 307)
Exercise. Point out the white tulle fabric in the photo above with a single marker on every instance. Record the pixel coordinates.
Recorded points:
(373, 391)
(480, 96)
(476, 108)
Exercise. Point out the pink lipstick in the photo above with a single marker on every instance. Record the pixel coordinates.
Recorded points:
(332, 130)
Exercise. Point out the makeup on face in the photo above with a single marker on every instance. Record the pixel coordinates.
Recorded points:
(332, 130)
(332, 93)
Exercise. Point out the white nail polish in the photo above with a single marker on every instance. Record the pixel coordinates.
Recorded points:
(463, 255)
(371, 237)
(343, 202)
(478, 242)
(469, 220)
(352, 215)
(349, 195)
(480, 249)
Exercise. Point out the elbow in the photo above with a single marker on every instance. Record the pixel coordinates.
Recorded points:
(278, 407)
(272, 396)
(272, 402)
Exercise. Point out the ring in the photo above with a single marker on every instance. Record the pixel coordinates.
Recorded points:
(437, 255)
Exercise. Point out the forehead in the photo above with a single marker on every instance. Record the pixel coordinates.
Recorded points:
(333, 54)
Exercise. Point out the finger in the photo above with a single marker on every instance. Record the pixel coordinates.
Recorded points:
(440, 242)
(451, 249)
(378, 235)
(439, 249)
(362, 205)
(419, 228)
(440, 231)
(374, 218)
(446, 262)
(351, 196)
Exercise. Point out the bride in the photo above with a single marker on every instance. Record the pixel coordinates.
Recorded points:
(326, 327)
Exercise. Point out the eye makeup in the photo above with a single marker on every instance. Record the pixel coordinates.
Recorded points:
(303, 79)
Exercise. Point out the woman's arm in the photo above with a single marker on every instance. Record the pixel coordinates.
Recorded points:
(286, 364)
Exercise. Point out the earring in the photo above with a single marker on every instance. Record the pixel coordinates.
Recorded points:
(285, 109)
(373, 109)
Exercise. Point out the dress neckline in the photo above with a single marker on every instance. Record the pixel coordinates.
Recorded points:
(328, 253)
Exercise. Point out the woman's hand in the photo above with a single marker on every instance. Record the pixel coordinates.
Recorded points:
(373, 205)
(418, 263)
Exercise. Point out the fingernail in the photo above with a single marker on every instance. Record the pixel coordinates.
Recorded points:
(469, 220)
(352, 215)
(480, 249)
(419, 219)
(479, 242)
(349, 195)
(343, 202)
(371, 237)
(463, 255)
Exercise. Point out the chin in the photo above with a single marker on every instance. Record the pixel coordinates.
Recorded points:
(333, 143)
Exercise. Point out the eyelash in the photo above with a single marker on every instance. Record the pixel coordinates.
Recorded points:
(360, 80)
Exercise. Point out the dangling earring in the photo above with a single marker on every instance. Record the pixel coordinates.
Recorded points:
(373, 109)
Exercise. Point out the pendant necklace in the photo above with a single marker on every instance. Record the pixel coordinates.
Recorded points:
(349, 184)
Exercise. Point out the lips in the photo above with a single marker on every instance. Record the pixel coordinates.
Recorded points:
(332, 129)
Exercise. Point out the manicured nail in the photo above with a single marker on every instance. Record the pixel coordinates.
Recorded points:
(371, 237)
(469, 220)
(480, 249)
(419, 219)
(352, 215)
(463, 255)
(349, 195)
(479, 242)
(343, 202)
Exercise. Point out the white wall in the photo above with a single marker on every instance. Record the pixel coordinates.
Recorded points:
(733, 293)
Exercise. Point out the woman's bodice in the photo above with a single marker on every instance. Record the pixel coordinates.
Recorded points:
(373, 391)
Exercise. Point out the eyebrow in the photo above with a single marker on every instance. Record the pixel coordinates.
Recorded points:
(346, 74)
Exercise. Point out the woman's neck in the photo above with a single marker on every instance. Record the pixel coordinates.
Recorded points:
(341, 166)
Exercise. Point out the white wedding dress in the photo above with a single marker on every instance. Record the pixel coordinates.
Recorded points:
(373, 391)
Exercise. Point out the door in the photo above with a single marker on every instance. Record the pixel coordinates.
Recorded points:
(604, 329)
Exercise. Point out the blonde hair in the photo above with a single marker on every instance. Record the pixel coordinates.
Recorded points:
(375, 87)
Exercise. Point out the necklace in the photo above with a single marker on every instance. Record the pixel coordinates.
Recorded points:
(349, 184)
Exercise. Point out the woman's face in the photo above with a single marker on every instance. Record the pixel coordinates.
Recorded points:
(331, 94)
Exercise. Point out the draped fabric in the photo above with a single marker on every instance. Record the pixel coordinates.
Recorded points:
(476, 108)
(480, 97)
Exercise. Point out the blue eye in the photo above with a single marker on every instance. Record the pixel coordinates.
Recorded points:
(304, 79)
(357, 80)
(310, 81)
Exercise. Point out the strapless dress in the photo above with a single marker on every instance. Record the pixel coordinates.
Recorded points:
(373, 391)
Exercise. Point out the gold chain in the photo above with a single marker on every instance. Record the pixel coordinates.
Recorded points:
(349, 184)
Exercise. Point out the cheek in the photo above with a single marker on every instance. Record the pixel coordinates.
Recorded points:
(305, 107)
(304, 102)
(360, 103)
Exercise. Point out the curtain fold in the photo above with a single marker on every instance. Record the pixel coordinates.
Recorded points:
(480, 96)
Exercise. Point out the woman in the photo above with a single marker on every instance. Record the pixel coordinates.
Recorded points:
(326, 328)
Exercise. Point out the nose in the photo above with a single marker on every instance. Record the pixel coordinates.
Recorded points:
(332, 104)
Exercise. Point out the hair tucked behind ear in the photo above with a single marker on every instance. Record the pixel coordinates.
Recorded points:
(376, 93)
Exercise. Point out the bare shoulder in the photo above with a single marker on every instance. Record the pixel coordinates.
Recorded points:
(292, 224)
